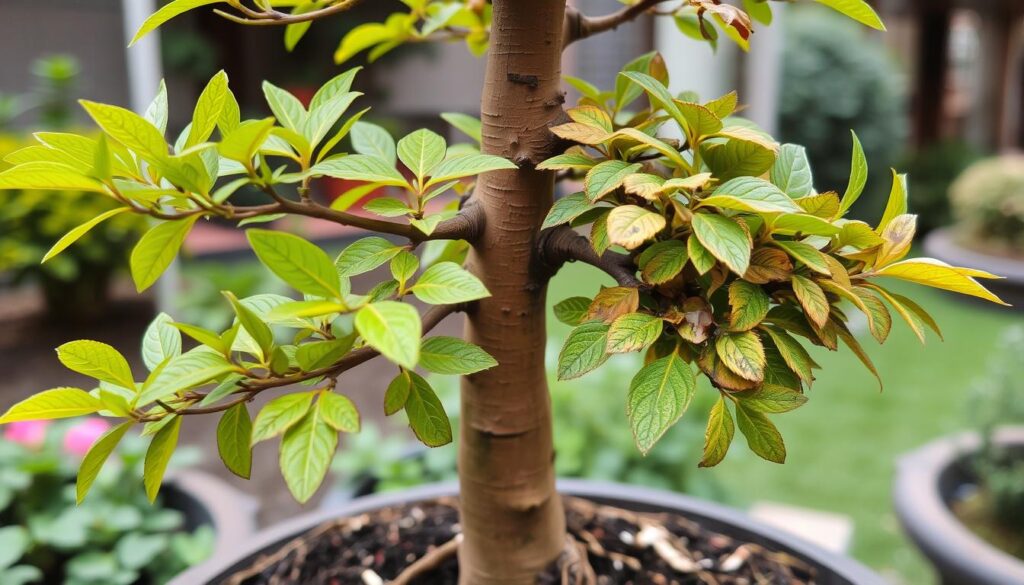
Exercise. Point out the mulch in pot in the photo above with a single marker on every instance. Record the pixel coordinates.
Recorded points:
(609, 546)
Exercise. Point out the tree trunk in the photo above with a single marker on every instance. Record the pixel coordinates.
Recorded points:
(512, 518)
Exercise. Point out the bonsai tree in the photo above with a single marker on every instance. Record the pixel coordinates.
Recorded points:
(727, 260)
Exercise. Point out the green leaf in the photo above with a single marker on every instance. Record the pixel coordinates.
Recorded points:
(633, 332)
(792, 171)
(468, 165)
(718, 435)
(858, 176)
(48, 176)
(208, 109)
(338, 85)
(97, 360)
(656, 92)
(630, 226)
(397, 393)
(243, 142)
(607, 177)
(468, 125)
(301, 264)
(738, 158)
(339, 412)
(393, 329)
(725, 239)
(72, 236)
(752, 194)
(701, 257)
(743, 353)
(252, 324)
(130, 129)
(858, 10)
(448, 283)
(371, 139)
(161, 341)
(772, 399)
(287, 108)
(662, 261)
(159, 455)
(658, 395)
(190, 369)
(360, 167)
(808, 254)
(51, 404)
(234, 440)
(14, 543)
(750, 304)
(306, 453)
(583, 351)
(280, 414)
(167, 12)
(324, 117)
(96, 457)
(364, 255)
(453, 356)
(793, 353)
(427, 417)
(157, 249)
(762, 436)
(421, 151)
(566, 209)
(572, 310)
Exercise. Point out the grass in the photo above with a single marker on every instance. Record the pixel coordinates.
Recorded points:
(844, 444)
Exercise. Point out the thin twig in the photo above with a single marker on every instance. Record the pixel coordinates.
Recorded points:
(428, 562)
(579, 26)
(277, 18)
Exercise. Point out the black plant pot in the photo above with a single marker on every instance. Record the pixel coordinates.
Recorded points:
(205, 500)
(832, 569)
(926, 482)
(942, 245)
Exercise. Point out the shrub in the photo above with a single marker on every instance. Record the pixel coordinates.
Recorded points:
(116, 537)
(988, 203)
(934, 168)
(836, 77)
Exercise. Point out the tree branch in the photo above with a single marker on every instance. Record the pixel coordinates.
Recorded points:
(558, 245)
(273, 17)
(579, 26)
(247, 390)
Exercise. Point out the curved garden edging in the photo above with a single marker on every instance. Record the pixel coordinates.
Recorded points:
(833, 569)
(925, 480)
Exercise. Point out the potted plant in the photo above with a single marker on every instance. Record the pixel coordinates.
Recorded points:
(723, 252)
(115, 537)
(988, 227)
(961, 498)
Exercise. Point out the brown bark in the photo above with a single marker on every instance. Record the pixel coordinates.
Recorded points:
(512, 518)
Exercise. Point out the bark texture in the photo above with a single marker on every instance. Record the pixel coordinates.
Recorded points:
(512, 518)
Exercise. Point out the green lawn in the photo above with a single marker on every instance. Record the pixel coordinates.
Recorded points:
(842, 446)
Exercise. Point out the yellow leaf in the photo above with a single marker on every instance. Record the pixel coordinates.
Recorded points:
(934, 273)
(629, 225)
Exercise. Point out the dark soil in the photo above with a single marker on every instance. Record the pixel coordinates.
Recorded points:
(622, 548)
(977, 513)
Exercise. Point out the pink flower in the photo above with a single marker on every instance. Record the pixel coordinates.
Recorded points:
(30, 433)
(79, 438)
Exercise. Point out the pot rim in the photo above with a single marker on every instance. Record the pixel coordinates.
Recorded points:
(845, 569)
(928, 520)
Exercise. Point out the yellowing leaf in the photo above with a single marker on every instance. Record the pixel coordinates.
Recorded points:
(72, 236)
(633, 332)
(897, 204)
(812, 299)
(629, 225)
(662, 261)
(718, 435)
(749, 304)
(743, 353)
(763, 437)
(581, 133)
(809, 255)
(858, 10)
(167, 12)
(612, 302)
(938, 274)
(607, 177)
